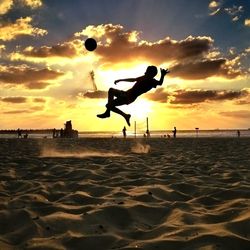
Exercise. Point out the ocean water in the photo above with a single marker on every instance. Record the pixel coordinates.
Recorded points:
(155, 134)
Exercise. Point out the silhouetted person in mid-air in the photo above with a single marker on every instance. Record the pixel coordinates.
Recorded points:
(174, 132)
(142, 85)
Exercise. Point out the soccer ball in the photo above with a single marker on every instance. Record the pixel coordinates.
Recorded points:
(90, 44)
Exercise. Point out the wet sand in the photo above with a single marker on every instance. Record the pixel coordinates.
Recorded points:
(154, 193)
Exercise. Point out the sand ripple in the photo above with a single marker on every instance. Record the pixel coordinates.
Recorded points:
(125, 194)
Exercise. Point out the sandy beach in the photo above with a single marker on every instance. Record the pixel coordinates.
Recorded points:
(158, 193)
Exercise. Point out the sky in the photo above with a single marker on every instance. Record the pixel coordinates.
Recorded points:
(47, 76)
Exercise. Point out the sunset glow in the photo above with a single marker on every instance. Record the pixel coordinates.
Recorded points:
(45, 69)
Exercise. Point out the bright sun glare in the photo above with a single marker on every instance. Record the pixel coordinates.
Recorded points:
(140, 109)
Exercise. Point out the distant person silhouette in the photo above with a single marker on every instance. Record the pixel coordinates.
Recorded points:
(19, 133)
(54, 133)
(174, 132)
(142, 85)
(124, 132)
(238, 133)
(61, 133)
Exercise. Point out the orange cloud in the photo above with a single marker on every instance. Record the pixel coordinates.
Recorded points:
(205, 69)
(116, 45)
(22, 26)
(98, 94)
(5, 6)
(199, 96)
(37, 85)
(213, 4)
(12, 112)
(191, 58)
(214, 7)
(67, 49)
(242, 114)
(32, 3)
(39, 100)
(14, 99)
(195, 96)
(159, 95)
(29, 77)
(247, 22)
(61, 53)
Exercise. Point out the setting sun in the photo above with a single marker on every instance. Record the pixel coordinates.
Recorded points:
(140, 109)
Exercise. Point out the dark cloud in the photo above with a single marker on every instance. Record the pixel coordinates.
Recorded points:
(21, 27)
(198, 96)
(39, 100)
(230, 95)
(183, 106)
(243, 102)
(116, 45)
(159, 95)
(98, 94)
(36, 85)
(192, 97)
(237, 114)
(30, 77)
(17, 112)
(181, 98)
(189, 57)
(14, 99)
(66, 49)
(126, 46)
(37, 108)
(204, 69)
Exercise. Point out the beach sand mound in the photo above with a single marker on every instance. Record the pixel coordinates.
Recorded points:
(125, 194)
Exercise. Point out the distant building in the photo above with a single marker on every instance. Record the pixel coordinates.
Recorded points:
(67, 132)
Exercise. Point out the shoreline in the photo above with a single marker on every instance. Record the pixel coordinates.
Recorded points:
(140, 134)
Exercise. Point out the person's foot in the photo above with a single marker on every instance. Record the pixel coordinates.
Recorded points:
(127, 118)
(104, 115)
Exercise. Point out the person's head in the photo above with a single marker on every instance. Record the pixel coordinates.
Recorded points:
(151, 71)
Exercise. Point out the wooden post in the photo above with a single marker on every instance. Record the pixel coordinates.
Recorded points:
(147, 131)
(197, 131)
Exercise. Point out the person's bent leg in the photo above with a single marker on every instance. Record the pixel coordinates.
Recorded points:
(114, 93)
(119, 102)
(125, 116)
(106, 114)
(111, 94)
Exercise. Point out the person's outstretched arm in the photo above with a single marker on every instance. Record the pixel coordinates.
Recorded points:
(163, 73)
(126, 80)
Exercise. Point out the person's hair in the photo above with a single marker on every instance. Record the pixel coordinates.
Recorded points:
(151, 71)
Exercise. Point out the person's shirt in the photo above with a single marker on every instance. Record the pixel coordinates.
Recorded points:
(143, 84)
